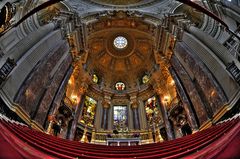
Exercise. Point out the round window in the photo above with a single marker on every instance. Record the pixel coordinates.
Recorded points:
(120, 42)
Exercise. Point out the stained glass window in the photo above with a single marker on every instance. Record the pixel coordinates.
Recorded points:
(95, 78)
(120, 42)
(152, 111)
(120, 118)
(88, 113)
(120, 86)
(145, 79)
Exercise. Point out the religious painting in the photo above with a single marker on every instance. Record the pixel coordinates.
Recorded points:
(88, 112)
(152, 111)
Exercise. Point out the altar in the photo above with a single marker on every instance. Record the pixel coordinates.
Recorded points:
(123, 141)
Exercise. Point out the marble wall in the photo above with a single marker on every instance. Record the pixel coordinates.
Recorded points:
(209, 90)
(61, 92)
(48, 97)
(191, 90)
(35, 86)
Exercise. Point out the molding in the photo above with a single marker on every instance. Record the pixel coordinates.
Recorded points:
(21, 113)
(232, 102)
(206, 125)
(25, 117)
(217, 116)
(220, 113)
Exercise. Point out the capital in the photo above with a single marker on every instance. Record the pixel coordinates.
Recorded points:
(134, 103)
(105, 104)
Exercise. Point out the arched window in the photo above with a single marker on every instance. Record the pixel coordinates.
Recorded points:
(95, 78)
(145, 79)
(120, 86)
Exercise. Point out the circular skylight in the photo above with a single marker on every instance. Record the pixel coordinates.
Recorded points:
(120, 42)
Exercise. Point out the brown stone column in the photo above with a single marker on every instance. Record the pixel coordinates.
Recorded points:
(163, 106)
(185, 100)
(106, 106)
(134, 105)
(78, 109)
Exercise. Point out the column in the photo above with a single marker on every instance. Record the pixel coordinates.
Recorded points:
(97, 121)
(142, 114)
(106, 106)
(163, 106)
(78, 109)
(134, 106)
(110, 117)
(185, 100)
(130, 117)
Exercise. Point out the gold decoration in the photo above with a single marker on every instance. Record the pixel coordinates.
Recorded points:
(84, 138)
(106, 104)
(134, 104)
(158, 136)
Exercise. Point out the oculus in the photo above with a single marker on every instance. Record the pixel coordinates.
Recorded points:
(120, 42)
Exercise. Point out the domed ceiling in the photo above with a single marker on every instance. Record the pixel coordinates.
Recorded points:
(120, 49)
